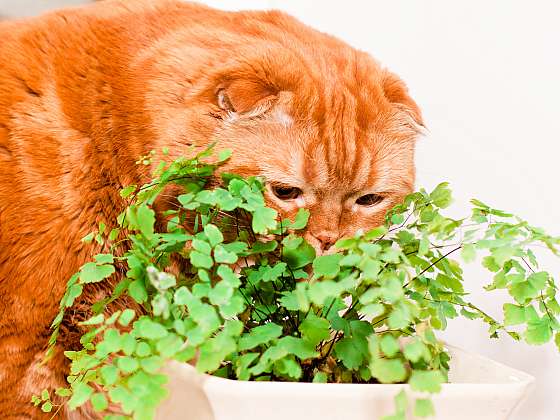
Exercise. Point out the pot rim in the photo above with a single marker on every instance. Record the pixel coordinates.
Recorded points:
(511, 377)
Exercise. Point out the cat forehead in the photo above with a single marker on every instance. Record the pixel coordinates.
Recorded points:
(297, 155)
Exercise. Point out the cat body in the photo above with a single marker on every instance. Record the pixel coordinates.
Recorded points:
(85, 92)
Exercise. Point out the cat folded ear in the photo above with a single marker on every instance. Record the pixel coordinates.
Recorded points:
(397, 93)
(245, 97)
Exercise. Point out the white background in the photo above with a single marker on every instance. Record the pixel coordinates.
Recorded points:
(487, 77)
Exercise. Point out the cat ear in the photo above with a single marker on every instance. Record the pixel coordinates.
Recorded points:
(245, 97)
(397, 93)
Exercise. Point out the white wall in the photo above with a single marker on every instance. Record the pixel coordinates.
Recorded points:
(20, 8)
(487, 76)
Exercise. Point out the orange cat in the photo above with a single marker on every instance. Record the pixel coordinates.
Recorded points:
(84, 92)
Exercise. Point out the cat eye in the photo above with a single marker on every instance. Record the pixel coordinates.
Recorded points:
(369, 199)
(284, 192)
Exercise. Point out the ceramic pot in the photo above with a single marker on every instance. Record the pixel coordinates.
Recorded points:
(478, 388)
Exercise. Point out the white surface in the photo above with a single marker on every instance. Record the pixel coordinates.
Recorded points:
(480, 389)
(487, 77)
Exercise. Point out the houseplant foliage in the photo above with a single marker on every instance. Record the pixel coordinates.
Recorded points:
(226, 286)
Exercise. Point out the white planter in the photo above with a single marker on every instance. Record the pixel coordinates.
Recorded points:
(479, 389)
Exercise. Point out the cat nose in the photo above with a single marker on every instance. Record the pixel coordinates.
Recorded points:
(326, 239)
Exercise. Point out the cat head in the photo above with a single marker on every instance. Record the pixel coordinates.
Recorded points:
(325, 125)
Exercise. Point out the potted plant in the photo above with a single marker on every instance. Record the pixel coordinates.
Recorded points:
(214, 280)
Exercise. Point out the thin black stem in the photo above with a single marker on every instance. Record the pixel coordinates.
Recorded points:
(433, 264)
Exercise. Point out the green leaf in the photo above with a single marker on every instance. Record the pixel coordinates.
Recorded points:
(263, 247)
(538, 280)
(213, 234)
(397, 219)
(146, 219)
(88, 238)
(320, 378)
(513, 314)
(264, 219)
(468, 252)
(72, 293)
(315, 329)
(290, 368)
(349, 353)
(46, 407)
(441, 196)
(103, 258)
(99, 402)
(273, 273)
(480, 204)
(423, 407)
(200, 260)
(373, 310)
(259, 335)
(523, 291)
(151, 364)
(125, 192)
(295, 300)
(223, 256)
(399, 318)
(490, 263)
(538, 331)
(126, 316)
(327, 265)
(143, 349)
(416, 350)
(137, 291)
(426, 380)
(301, 219)
(127, 364)
(94, 320)
(221, 293)
(346, 243)
(185, 199)
(224, 155)
(469, 314)
(45, 394)
(423, 246)
(147, 328)
(93, 273)
(298, 347)
(213, 352)
(375, 233)
(182, 296)
(389, 345)
(388, 371)
(80, 395)
(109, 374)
(503, 254)
(299, 257)
(201, 246)
(322, 290)
(128, 343)
(242, 365)
(114, 234)
(350, 260)
(63, 392)
(227, 274)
